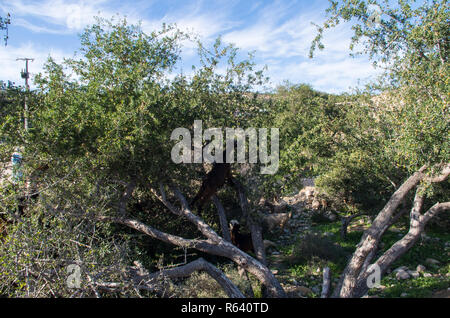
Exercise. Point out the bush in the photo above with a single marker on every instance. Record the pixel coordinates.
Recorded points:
(313, 246)
(201, 285)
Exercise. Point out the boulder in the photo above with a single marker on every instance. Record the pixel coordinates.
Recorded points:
(432, 261)
(401, 268)
(414, 274)
(315, 204)
(276, 220)
(402, 275)
(420, 268)
(304, 291)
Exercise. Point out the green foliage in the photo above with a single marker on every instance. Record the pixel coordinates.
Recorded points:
(313, 246)
(399, 123)
(103, 120)
(36, 253)
(410, 41)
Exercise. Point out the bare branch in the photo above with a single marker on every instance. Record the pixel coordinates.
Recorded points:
(204, 228)
(255, 227)
(201, 265)
(222, 218)
(372, 235)
(445, 172)
(215, 245)
(434, 210)
(417, 225)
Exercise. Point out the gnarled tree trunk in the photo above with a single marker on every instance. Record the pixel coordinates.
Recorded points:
(213, 244)
(353, 282)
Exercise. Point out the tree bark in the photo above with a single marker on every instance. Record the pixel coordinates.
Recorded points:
(214, 244)
(345, 221)
(353, 282)
(326, 282)
(372, 235)
(199, 265)
(222, 219)
(253, 224)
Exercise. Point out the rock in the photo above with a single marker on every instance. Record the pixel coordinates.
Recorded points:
(304, 291)
(432, 261)
(332, 217)
(315, 205)
(276, 220)
(414, 274)
(404, 295)
(274, 271)
(442, 294)
(402, 274)
(401, 268)
(427, 275)
(420, 268)
(281, 207)
(276, 253)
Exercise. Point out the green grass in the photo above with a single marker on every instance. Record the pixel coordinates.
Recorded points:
(421, 287)
(304, 270)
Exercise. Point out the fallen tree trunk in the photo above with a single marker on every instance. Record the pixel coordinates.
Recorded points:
(213, 244)
(186, 270)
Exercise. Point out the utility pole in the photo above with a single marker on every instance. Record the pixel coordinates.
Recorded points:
(25, 75)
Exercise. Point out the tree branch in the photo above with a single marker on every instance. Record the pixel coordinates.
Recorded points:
(186, 270)
(445, 172)
(222, 218)
(214, 245)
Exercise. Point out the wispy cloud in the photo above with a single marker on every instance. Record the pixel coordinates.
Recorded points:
(59, 16)
(280, 32)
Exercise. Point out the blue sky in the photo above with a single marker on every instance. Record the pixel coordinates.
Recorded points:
(280, 33)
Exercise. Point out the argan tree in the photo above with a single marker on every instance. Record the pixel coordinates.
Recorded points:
(409, 41)
(102, 125)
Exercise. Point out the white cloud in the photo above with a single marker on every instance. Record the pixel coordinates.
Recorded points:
(283, 44)
(59, 16)
(330, 76)
(280, 35)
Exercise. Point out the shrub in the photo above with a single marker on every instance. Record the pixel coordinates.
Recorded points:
(313, 246)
